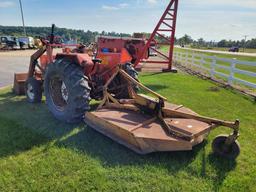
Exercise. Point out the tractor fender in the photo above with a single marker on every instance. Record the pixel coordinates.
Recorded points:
(81, 59)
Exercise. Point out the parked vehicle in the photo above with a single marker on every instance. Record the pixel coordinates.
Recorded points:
(38, 43)
(234, 49)
(9, 42)
(26, 42)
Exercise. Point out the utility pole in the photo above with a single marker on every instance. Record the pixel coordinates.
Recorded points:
(245, 38)
(21, 10)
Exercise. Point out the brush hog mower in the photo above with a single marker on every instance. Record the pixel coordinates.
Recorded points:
(145, 124)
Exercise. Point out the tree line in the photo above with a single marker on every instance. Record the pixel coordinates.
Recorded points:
(80, 36)
(188, 40)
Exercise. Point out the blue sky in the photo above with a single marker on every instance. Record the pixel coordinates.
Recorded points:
(209, 19)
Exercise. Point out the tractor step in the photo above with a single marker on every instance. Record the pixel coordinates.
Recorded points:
(19, 83)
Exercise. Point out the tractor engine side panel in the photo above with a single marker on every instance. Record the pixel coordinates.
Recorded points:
(115, 45)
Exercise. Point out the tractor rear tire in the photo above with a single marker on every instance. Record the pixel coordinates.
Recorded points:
(33, 89)
(67, 91)
(119, 81)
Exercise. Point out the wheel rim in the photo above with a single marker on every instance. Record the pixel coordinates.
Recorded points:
(30, 92)
(58, 93)
(64, 92)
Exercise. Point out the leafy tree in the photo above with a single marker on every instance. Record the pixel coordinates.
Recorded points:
(201, 42)
(185, 40)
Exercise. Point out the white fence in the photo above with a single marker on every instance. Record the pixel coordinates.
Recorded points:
(232, 71)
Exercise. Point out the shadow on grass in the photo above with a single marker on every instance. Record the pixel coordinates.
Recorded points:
(34, 116)
(15, 138)
(222, 168)
(24, 125)
(7, 96)
(30, 125)
(110, 153)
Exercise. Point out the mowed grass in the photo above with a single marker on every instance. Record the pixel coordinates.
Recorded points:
(39, 153)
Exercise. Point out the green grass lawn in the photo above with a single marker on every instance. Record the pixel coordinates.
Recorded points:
(39, 153)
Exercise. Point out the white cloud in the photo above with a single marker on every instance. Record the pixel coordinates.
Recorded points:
(113, 8)
(6, 4)
(123, 5)
(155, 3)
(152, 1)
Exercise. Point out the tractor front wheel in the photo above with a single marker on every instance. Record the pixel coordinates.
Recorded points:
(33, 90)
(67, 91)
(219, 147)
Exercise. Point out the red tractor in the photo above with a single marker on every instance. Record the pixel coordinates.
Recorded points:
(71, 79)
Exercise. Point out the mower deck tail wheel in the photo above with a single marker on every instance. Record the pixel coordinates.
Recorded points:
(229, 152)
(34, 90)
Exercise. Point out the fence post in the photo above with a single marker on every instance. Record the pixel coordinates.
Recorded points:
(213, 64)
(232, 71)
